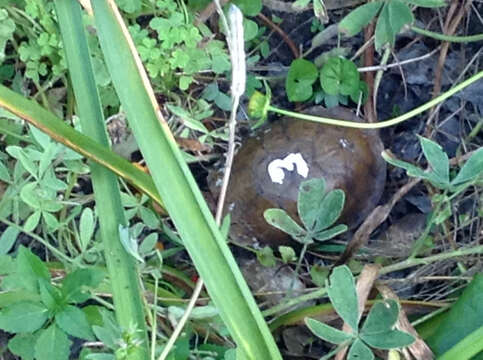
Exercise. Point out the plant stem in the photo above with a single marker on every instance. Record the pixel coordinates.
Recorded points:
(427, 260)
(386, 123)
(450, 38)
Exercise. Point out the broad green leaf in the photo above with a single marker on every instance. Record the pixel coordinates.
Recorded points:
(464, 317)
(21, 345)
(330, 209)
(472, 168)
(30, 268)
(427, 3)
(381, 318)
(343, 296)
(74, 322)
(282, 221)
(355, 21)
(52, 344)
(388, 340)
(23, 317)
(249, 7)
(326, 332)
(129, 6)
(339, 76)
(76, 285)
(250, 29)
(437, 159)
(330, 233)
(394, 15)
(471, 347)
(86, 227)
(301, 75)
(311, 194)
(7, 239)
(359, 351)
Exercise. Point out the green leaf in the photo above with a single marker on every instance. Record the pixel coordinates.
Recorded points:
(258, 105)
(326, 332)
(86, 227)
(76, 285)
(7, 28)
(129, 6)
(411, 169)
(22, 317)
(463, 318)
(50, 295)
(266, 257)
(330, 233)
(30, 268)
(21, 345)
(437, 159)
(339, 76)
(7, 239)
(359, 351)
(427, 3)
(470, 347)
(394, 15)
(388, 340)
(472, 168)
(282, 221)
(330, 209)
(343, 296)
(301, 75)
(52, 344)
(381, 318)
(287, 253)
(20, 154)
(74, 322)
(355, 21)
(309, 202)
(250, 29)
(4, 173)
(319, 274)
(249, 7)
(187, 119)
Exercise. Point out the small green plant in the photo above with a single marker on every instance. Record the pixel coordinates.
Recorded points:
(439, 176)
(42, 315)
(378, 330)
(338, 79)
(392, 16)
(318, 210)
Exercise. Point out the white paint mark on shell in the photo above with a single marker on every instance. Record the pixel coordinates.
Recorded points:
(290, 162)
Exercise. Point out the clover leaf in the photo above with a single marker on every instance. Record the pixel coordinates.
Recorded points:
(339, 76)
(378, 329)
(301, 75)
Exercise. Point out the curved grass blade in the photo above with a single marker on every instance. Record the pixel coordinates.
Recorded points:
(179, 191)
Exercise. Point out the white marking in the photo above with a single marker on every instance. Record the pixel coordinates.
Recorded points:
(277, 166)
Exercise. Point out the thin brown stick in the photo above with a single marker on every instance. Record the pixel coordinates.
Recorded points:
(283, 34)
(369, 110)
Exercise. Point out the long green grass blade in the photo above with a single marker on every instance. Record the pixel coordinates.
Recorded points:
(36, 115)
(179, 191)
(121, 266)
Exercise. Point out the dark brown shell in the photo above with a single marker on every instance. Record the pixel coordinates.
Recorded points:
(348, 159)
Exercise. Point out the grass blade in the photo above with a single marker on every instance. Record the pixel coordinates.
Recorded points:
(121, 266)
(179, 191)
